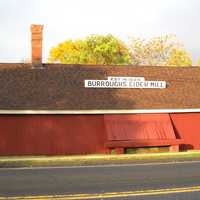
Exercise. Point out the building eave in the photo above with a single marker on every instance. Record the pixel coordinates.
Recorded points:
(122, 111)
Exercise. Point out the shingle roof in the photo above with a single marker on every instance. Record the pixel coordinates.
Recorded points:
(61, 87)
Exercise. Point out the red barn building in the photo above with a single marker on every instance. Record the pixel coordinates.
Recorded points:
(45, 109)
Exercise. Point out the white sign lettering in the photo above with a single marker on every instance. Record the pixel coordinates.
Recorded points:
(124, 78)
(124, 82)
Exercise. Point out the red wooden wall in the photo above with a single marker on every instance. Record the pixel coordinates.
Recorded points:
(87, 134)
(187, 127)
(140, 126)
(51, 134)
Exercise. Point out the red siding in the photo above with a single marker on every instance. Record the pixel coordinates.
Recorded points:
(187, 127)
(51, 134)
(87, 134)
(139, 126)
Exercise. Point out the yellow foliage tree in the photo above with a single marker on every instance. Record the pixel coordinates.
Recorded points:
(95, 49)
(159, 51)
(179, 57)
(198, 62)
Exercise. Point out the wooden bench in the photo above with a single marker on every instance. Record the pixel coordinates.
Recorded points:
(121, 145)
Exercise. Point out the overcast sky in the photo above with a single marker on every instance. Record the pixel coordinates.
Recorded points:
(65, 19)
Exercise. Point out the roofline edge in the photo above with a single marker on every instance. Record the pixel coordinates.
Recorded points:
(124, 111)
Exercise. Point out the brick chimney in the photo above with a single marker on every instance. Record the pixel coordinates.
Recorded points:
(36, 43)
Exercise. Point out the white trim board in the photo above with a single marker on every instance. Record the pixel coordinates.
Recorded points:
(128, 111)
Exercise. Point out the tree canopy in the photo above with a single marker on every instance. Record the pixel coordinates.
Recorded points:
(95, 49)
(109, 50)
(198, 62)
(159, 51)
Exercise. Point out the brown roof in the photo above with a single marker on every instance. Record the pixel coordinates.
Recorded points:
(61, 87)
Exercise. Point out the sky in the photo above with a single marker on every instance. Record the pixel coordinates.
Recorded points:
(72, 19)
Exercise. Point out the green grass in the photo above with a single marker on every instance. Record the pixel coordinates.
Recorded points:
(36, 161)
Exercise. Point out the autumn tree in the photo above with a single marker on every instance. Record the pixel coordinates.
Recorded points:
(163, 51)
(95, 49)
(198, 62)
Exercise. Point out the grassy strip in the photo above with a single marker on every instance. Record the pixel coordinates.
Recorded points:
(96, 159)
